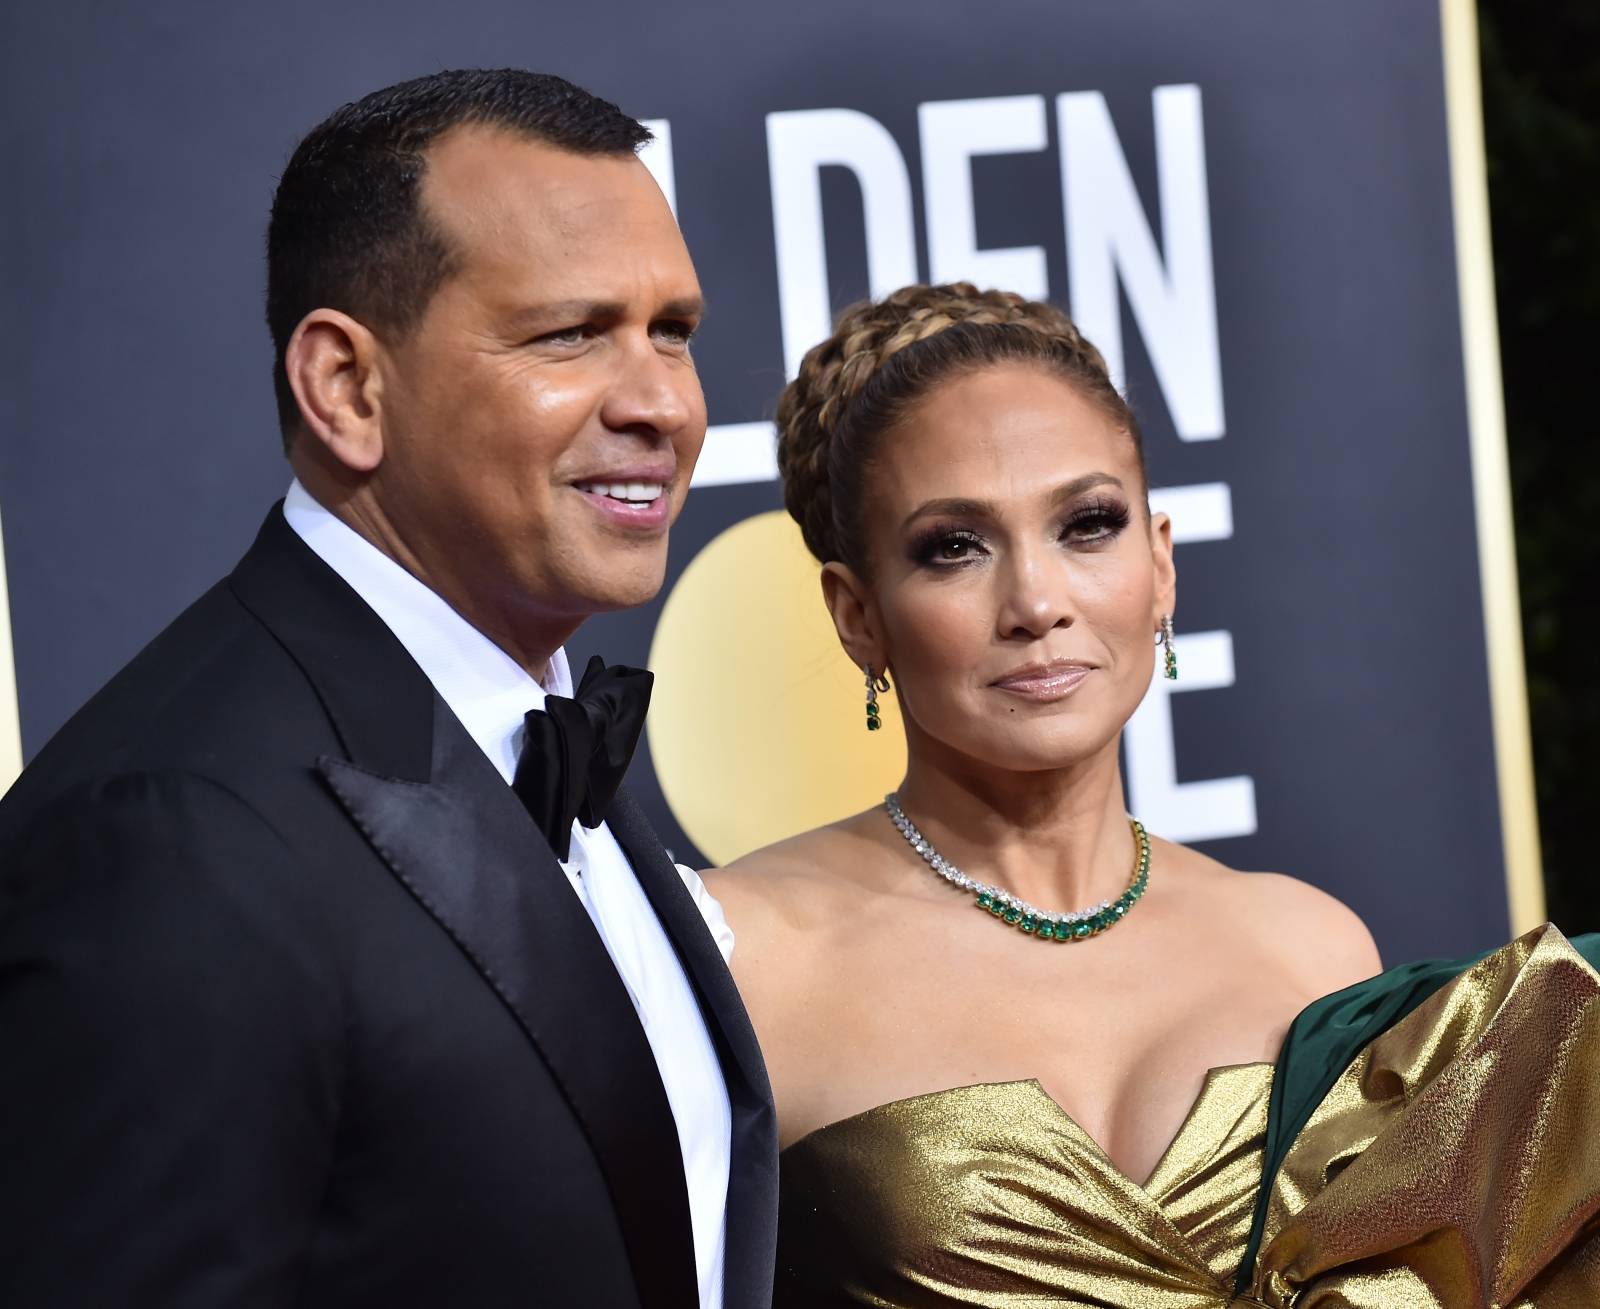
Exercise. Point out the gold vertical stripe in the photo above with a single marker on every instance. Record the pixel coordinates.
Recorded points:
(10, 727)
(1491, 478)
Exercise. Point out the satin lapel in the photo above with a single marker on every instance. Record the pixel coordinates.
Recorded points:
(379, 701)
(753, 1174)
(465, 848)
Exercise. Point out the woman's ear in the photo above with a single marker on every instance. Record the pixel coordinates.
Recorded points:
(1166, 573)
(854, 618)
(332, 366)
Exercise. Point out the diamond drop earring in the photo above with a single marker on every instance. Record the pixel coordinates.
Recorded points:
(1169, 655)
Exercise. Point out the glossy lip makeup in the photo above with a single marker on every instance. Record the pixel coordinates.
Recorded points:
(1044, 683)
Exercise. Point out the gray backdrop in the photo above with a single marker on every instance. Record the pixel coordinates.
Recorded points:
(139, 448)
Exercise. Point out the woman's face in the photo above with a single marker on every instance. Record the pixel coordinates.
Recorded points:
(1017, 582)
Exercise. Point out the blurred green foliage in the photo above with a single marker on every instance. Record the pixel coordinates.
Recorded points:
(1541, 104)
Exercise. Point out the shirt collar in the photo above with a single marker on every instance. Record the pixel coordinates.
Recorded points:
(485, 688)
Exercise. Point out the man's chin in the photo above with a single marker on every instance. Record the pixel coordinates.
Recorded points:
(622, 588)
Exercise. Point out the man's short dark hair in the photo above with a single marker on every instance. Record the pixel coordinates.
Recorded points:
(348, 231)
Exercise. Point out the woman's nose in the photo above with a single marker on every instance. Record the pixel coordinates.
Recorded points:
(1038, 599)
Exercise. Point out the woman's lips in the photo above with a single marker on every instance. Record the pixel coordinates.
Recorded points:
(1044, 683)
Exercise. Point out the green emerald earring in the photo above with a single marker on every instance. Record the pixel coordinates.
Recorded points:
(874, 685)
(1169, 655)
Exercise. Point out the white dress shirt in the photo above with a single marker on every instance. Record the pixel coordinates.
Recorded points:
(490, 693)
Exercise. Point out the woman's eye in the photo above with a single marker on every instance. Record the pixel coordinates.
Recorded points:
(955, 548)
(1098, 525)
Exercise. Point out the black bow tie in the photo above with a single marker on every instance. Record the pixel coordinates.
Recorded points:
(577, 750)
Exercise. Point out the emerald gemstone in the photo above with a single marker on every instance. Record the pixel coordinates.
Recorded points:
(873, 724)
(1011, 916)
(872, 709)
(1081, 931)
(986, 902)
(1029, 923)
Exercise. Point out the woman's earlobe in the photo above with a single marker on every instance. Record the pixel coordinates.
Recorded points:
(1166, 572)
(846, 597)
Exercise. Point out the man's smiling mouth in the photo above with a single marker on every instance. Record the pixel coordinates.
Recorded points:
(630, 493)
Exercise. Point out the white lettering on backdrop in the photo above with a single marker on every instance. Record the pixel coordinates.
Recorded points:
(951, 133)
(799, 146)
(1107, 234)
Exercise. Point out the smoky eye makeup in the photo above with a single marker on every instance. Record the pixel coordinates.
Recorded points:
(1093, 521)
(1096, 520)
(945, 545)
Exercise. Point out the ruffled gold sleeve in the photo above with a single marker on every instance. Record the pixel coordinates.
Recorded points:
(1455, 1162)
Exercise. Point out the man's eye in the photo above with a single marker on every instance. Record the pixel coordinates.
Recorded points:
(564, 336)
(677, 333)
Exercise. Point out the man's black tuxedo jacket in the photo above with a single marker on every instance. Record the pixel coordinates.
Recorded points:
(297, 1008)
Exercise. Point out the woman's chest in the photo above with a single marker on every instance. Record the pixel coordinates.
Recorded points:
(1123, 1051)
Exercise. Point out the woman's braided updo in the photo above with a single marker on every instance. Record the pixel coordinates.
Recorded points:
(882, 358)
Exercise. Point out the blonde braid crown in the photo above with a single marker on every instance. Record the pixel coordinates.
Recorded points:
(881, 358)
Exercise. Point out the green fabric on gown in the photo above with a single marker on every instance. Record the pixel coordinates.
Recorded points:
(1325, 1038)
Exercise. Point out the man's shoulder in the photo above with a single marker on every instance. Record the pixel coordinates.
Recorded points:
(210, 695)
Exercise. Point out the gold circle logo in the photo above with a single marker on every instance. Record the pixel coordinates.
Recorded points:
(758, 723)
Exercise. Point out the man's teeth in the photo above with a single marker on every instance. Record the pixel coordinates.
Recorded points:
(630, 492)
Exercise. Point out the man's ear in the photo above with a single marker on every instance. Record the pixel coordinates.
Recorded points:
(1166, 573)
(331, 362)
(855, 620)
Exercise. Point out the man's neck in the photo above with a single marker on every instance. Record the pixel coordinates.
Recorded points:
(530, 643)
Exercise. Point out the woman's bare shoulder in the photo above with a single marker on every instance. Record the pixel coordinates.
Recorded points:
(1320, 940)
(797, 877)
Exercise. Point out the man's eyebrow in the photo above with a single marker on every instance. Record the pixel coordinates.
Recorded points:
(961, 508)
(569, 311)
(584, 311)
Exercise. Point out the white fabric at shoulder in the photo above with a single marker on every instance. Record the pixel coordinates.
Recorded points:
(710, 910)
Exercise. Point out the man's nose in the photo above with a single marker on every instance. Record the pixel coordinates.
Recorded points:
(651, 391)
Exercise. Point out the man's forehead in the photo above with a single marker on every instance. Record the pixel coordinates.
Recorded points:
(482, 181)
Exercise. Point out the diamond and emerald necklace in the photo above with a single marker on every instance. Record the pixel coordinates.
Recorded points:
(1042, 923)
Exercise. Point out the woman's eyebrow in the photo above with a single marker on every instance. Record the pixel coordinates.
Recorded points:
(957, 507)
(1078, 485)
(950, 508)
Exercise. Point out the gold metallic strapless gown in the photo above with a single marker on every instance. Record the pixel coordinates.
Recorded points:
(1426, 1140)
